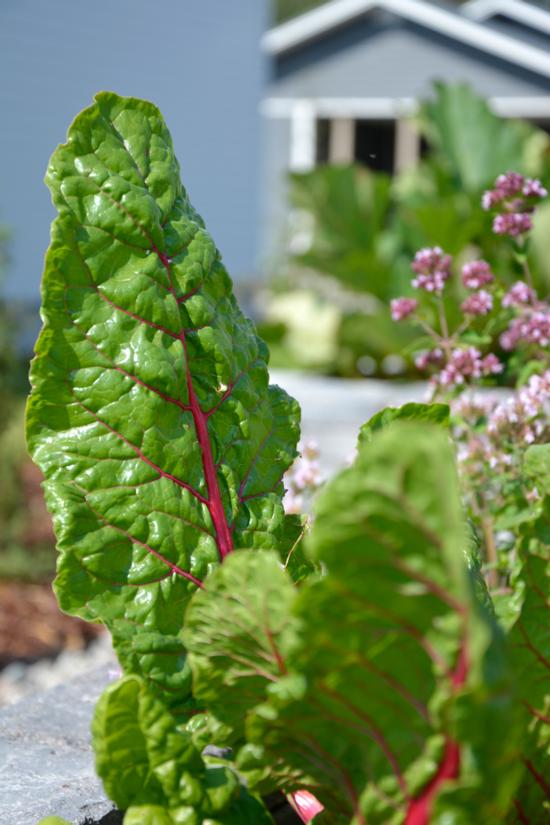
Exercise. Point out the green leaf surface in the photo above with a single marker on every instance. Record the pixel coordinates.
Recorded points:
(291, 548)
(470, 139)
(397, 705)
(150, 766)
(429, 413)
(530, 640)
(162, 445)
(236, 632)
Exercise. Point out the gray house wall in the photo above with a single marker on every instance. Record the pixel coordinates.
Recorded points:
(198, 60)
(380, 56)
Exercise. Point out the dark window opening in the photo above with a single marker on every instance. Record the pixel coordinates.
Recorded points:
(323, 141)
(375, 144)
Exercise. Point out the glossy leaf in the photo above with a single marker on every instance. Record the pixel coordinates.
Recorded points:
(429, 413)
(151, 768)
(396, 707)
(237, 632)
(162, 445)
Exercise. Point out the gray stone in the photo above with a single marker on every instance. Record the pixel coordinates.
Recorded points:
(46, 760)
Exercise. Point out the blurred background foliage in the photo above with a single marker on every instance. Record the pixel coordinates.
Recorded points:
(354, 233)
(26, 537)
(285, 9)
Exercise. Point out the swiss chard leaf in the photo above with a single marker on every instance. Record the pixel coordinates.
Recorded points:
(237, 632)
(397, 707)
(429, 413)
(530, 639)
(151, 769)
(162, 445)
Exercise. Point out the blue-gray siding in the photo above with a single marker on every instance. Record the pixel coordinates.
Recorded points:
(378, 57)
(198, 60)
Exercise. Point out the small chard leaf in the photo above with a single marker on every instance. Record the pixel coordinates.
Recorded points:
(161, 443)
(397, 704)
(530, 640)
(150, 767)
(430, 413)
(237, 632)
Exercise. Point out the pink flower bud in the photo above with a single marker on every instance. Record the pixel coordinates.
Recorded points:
(402, 307)
(433, 268)
(518, 295)
(512, 224)
(480, 303)
(476, 274)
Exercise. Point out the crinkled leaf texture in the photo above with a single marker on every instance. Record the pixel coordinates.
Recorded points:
(401, 712)
(389, 697)
(151, 769)
(530, 639)
(235, 632)
(162, 445)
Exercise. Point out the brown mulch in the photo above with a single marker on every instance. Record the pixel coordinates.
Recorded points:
(33, 627)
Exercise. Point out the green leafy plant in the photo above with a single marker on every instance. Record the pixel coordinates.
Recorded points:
(354, 250)
(356, 666)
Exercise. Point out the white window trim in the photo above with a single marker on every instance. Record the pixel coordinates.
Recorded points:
(386, 108)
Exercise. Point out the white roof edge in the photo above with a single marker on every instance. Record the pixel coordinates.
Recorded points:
(466, 30)
(313, 23)
(525, 13)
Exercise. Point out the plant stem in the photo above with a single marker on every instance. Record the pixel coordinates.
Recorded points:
(490, 551)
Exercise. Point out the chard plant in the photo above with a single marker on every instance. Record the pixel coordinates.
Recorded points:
(357, 665)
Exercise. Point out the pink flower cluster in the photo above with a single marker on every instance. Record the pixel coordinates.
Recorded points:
(432, 358)
(303, 478)
(532, 323)
(463, 364)
(531, 327)
(479, 303)
(490, 454)
(514, 198)
(518, 295)
(524, 418)
(477, 274)
(402, 307)
(433, 269)
(513, 224)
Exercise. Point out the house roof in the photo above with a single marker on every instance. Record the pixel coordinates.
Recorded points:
(517, 10)
(445, 21)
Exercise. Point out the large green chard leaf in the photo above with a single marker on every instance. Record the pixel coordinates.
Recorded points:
(162, 445)
(397, 707)
(236, 632)
(151, 769)
(530, 638)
